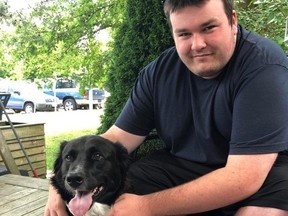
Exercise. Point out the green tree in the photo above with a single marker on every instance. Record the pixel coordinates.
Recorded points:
(266, 17)
(5, 64)
(143, 35)
(61, 36)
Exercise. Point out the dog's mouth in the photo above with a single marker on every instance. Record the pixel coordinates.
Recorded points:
(83, 200)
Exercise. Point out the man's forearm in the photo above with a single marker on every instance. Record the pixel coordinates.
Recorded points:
(217, 189)
(204, 194)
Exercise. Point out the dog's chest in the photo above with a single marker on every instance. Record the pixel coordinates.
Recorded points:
(98, 209)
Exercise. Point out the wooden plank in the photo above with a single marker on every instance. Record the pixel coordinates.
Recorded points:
(25, 181)
(27, 138)
(33, 158)
(38, 205)
(16, 151)
(21, 192)
(32, 137)
(29, 151)
(41, 172)
(30, 142)
(23, 130)
(10, 190)
(22, 196)
(7, 156)
(25, 204)
(36, 165)
(37, 212)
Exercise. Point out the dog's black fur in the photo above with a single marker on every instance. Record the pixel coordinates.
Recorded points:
(90, 164)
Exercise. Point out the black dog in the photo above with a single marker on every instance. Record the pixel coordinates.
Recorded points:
(89, 171)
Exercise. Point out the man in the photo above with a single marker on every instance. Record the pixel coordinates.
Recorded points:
(219, 102)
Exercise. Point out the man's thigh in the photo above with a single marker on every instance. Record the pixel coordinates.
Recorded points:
(260, 211)
(161, 170)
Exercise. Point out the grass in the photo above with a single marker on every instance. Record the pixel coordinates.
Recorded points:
(53, 144)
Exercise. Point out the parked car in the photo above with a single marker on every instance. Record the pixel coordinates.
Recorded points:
(18, 104)
(68, 92)
(98, 95)
(35, 99)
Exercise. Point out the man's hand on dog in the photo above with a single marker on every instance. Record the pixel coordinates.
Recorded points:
(55, 205)
(130, 204)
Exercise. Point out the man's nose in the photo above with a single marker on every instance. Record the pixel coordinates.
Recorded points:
(198, 42)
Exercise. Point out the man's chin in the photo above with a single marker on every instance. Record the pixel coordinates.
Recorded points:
(205, 71)
(206, 74)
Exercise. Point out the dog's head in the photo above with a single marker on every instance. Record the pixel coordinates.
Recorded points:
(90, 169)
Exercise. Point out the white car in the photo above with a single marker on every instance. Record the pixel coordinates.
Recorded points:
(38, 100)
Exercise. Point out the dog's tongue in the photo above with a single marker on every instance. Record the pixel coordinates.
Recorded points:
(79, 205)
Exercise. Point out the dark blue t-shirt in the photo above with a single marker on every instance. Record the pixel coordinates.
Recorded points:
(242, 111)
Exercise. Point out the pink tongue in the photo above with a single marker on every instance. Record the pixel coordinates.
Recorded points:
(79, 205)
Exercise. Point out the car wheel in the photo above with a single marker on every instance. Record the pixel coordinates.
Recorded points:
(29, 108)
(69, 105)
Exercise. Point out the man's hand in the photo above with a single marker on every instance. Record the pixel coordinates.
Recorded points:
(130, 204)
(55, 205)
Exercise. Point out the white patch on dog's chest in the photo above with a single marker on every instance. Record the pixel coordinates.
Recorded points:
(98, 209)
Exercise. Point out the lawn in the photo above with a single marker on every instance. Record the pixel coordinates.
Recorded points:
(53, 143)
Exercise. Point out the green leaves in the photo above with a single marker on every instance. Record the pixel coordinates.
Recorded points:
(60, 36)
(266, 17)
(142, 36)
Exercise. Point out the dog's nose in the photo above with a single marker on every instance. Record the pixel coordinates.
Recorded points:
(74, 180)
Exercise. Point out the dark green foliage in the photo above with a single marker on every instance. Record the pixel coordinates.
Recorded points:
(143, 35)
(266, 17)
(147, 147)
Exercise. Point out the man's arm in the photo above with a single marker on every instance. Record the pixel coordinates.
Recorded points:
(128, 140)
(240, 178)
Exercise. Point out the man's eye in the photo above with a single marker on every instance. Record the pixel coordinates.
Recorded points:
(184, 34)
(209, 28)
(97, 157)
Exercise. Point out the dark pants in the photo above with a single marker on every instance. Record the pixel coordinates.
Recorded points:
(161, 170)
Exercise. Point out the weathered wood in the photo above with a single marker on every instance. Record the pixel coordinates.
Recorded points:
(30, 151)
(20, 206)
(32, 138)
(25, 181)
(23, 130)
(29, 142)
(7, 156)
(22, 196)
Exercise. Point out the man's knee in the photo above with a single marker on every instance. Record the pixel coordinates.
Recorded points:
(260, 211)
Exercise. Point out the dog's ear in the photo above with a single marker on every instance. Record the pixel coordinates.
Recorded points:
(122, 155)
(58, 161)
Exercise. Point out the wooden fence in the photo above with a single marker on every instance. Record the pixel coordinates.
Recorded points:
(32, 137)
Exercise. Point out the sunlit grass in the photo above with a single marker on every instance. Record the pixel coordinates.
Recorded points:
(53, 144)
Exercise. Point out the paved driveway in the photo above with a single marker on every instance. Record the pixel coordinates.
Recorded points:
(61, 121)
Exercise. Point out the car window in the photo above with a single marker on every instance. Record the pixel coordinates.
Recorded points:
(65, 83)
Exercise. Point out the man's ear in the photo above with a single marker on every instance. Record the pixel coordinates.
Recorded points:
(234, 22)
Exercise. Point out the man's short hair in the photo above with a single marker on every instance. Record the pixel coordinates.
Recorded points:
(171, 6)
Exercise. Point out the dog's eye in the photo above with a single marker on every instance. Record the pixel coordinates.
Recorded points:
(97, 156)
(68, 158)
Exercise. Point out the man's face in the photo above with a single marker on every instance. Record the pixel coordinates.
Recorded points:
(204, 38)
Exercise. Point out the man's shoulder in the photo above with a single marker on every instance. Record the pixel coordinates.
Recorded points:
(258, 48)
